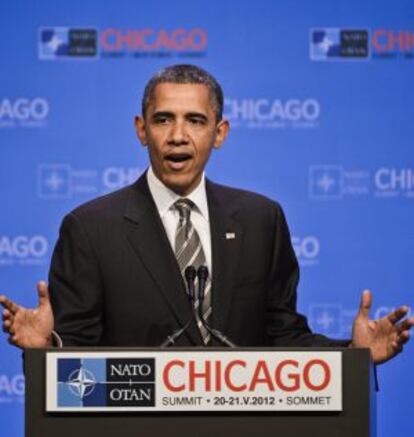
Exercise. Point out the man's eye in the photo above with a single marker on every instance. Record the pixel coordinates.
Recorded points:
(197, 121)
(161, 120)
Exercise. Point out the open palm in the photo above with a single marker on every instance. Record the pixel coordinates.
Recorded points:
(386, 336)
(27, 327)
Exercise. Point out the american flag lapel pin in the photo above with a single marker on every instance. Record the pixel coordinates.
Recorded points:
(230, 235)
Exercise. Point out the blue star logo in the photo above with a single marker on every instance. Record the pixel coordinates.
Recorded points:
(81, 382)
(326, 182)
(54, 181)
(325, 320)
(325, 44)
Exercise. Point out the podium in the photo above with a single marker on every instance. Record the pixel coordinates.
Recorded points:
(243, 417)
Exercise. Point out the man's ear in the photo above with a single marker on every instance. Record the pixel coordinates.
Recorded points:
(140, 129)
(222, 130)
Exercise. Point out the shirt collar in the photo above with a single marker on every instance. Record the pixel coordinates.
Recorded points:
(164, 197)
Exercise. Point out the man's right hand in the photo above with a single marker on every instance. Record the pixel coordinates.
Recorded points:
(29, 328)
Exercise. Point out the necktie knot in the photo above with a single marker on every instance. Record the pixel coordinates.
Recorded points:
(184, 207)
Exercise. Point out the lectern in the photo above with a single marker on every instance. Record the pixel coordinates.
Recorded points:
(113, 392)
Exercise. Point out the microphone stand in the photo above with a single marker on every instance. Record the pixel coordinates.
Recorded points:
(190, 275)
(202, 275)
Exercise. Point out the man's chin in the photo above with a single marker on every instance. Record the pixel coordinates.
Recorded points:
(181, 184)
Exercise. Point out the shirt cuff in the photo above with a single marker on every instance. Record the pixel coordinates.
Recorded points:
(56, 340)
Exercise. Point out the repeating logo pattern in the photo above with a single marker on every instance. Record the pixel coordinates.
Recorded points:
(117, 43)
(335, 319)
(334, 43)
(63, 42)
(333, 182)
(332, 320)
(266, 113)
(24, 112)
(23, 250)
(62, 181)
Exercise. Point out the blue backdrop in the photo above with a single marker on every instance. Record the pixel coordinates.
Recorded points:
(319, 97)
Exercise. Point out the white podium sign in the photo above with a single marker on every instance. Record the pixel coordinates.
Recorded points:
(200, 380)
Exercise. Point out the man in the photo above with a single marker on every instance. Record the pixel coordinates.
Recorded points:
(116, 276)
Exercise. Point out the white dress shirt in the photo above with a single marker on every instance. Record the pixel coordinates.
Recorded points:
(165, 198)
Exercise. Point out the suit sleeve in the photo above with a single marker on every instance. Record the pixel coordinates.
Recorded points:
(76, 286)
(285, 326)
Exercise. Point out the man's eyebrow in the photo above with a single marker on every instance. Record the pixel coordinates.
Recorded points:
(196, 115)
(162, 114)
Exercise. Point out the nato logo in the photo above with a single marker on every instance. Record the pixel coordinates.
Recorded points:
(81, 382)
(338, 44)
(54, 181)
(325, 182)
(326, 319)
(64, 42)
(101, 382)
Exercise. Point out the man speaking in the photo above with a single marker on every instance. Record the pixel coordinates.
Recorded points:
(118, 273)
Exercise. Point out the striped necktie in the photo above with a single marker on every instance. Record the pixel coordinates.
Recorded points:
(189, 252)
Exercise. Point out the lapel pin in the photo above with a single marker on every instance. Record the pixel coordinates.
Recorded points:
(230, 235)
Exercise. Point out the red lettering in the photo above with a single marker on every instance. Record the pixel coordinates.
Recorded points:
(400, 39)
(109, 39)
(144, 34)
(198, 39)
(162, 40)
(407, 41)
(218, 376)
(166, 376)
(206, 375)
(258, 379)
(327, 375)
(387, 40)
(180, 39)
(381, 41)
(292, 376)
(149, 39)
(127, 40)
(229, 383)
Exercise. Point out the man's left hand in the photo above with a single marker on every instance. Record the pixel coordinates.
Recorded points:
(386, 336)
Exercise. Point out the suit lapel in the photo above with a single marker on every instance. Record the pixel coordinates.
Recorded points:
(147, 236)
(226, 239)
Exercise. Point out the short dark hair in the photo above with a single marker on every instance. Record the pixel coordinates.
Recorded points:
(185, 73)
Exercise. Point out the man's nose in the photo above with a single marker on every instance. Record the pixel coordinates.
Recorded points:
(178, 134)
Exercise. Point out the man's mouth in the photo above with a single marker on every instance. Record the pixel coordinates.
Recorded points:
(177, 161)
(178, 157)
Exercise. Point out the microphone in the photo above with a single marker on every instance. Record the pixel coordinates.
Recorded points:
(190, 275)
(202, 275)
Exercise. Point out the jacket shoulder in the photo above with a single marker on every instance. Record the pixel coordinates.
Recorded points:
(243, 198)
(108, 205)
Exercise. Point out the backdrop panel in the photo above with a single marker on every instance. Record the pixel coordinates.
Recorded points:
(319, 98)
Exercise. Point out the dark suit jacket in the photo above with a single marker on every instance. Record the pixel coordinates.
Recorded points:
(114, 280)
